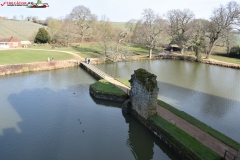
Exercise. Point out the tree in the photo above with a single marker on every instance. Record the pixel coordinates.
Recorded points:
(53, 28)
(180, 27)
(28, 18)
(42, 36)
(65, 33)
(153, 25)
(47, 20)
(221, 19)
(83, 19)
(106, 34)
(14, 17)
(35, 19)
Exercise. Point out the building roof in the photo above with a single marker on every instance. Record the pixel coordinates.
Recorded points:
(11, 39)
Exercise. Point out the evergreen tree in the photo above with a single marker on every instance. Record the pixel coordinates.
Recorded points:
(42, 36)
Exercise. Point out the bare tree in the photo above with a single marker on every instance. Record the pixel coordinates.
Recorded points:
(28, 18)
(180, 27)
(47, 20)
(35, 19)
(222, 18)
(53, 28)
(83, 19)
(14, 17)
(65, 33)
(106, 33)
(148, 30)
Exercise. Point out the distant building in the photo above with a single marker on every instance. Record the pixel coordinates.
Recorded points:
(11, 42)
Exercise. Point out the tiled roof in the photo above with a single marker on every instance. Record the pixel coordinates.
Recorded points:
(4, 39)
(12, 39)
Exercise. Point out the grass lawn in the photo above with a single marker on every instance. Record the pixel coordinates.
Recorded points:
(27, 56)
(124, 81)
(225, 59)
(107, 87)
(230, 142)
(175, 134)
(92, 50)
(86, 50)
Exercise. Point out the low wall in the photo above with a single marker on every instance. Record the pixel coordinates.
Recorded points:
(193, 58)
(38, 66)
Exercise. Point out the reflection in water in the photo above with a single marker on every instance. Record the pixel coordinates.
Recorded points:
(48, 108)
(143, 148)
(208, 93)
(9, 119)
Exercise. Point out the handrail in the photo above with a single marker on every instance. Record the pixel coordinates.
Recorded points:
(225, 155)
(103, 70)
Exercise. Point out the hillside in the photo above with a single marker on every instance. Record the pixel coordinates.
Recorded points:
(22, 30)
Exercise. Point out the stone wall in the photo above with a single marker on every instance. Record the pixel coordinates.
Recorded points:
(143, 93)
(39, 66)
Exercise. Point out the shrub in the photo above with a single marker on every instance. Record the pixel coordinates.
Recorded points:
(235, 52)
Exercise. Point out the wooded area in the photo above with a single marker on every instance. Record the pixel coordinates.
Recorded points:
(177, 27)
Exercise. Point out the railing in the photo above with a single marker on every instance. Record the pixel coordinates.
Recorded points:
(229, 156)
(103, 70)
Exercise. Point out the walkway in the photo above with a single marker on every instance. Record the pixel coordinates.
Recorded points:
(194, 131)
(106, 76)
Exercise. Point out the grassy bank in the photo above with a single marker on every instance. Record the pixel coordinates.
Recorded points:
(230, 142)
(105, 86)
(225, 59)
(27, 56)
(182, 140)
(124, 81)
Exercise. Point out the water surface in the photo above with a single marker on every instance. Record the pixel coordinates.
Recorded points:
(51, 116)
(208, 93)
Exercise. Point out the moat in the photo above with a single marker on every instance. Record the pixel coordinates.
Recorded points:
(50, 115)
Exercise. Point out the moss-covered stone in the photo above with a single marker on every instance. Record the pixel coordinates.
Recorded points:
(143, 93)
(145, 78)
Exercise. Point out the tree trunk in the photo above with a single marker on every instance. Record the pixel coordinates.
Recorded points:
(150, 53)
(182, 50)
(211, 44)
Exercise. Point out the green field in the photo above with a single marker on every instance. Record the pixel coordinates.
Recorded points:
(225, 59)
(27, 56)
(22, 30)
(92, 50)
(177, 136)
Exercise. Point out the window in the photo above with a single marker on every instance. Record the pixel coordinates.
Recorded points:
(15, 44)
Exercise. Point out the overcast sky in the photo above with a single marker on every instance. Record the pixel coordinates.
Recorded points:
(115, 10)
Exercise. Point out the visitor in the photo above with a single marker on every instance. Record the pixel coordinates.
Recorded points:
(48, 59)
(88, 60)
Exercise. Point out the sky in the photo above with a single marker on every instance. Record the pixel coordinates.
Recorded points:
(115, 10)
